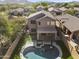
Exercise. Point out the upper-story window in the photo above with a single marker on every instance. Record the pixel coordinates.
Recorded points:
(39, 23)
(48, 23)
(52, 22)
(33, 22)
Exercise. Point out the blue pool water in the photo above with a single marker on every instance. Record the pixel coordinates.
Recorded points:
(33, 53)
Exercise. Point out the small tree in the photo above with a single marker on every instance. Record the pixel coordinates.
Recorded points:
(45, 4)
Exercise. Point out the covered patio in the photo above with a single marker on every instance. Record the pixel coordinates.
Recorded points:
(46, 33)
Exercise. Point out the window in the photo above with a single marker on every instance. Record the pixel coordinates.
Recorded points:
(43, 34)
(48, 34)
(68, 32)
(48, 23)
(33, 30)
(39, 23)
(52, 22)
(33, 22)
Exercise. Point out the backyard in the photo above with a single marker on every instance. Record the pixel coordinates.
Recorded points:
(9, 27)
(16, 55)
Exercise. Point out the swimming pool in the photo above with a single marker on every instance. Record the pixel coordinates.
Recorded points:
(41, 53)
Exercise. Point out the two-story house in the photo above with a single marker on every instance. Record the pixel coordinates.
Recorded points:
(63, 9)
(55, 11)
(40, 8)
(42, 25)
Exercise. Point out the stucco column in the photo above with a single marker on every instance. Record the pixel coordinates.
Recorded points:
(37, 36)
(55, 36)
(66, 31)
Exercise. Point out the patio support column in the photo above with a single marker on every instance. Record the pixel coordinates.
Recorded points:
(66, 31)
(37, 36)
(55, 36)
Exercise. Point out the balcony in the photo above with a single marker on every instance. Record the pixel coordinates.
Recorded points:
(46, 30)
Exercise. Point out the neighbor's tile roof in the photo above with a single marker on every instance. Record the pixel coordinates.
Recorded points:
(63, 8)
(76, 8)
(71, 22)
(51, 8)
(64, 17)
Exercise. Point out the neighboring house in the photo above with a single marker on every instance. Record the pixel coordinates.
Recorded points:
(42, 24)
(63, 9)
(40, 8)
(19, 12)
(68, 31)
(55, 11)
(77, 14)
(76, 8)
(51, 8)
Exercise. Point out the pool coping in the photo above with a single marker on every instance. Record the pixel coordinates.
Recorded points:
(60, 51)
(25, 46)
(31, 44)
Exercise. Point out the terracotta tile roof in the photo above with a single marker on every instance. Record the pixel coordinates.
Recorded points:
(71, 22)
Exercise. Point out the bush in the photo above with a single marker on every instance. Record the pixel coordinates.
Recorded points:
(72, 12)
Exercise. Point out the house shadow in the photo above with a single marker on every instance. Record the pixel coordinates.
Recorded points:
(65, 51)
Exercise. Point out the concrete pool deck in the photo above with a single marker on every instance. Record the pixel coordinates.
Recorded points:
(28, 44)
(25, 46)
